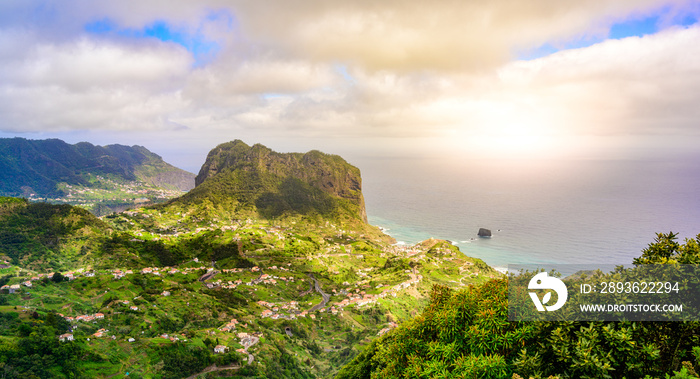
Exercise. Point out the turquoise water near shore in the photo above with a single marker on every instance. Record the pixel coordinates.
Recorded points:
(539, 212)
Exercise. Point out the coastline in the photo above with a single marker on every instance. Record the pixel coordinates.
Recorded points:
(408, 236)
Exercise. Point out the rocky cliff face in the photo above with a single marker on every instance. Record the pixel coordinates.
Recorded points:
(280, 182)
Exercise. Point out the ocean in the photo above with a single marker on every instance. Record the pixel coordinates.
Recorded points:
(570, 211)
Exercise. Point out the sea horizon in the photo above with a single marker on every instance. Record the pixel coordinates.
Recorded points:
(581, 211)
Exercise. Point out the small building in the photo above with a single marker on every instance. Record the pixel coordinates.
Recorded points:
(66, 337)
(165, 293)
(220, 349)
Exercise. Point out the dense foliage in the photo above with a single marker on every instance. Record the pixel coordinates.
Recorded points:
(33, 233)
(37, 353)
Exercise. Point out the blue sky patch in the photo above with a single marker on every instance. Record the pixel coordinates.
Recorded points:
(343, 71)
(633, 27)
(202, 49)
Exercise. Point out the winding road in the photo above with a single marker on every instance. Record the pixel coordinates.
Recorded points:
(326, 297)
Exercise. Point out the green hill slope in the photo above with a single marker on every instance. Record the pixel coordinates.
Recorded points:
(46, 236)
(38, 167)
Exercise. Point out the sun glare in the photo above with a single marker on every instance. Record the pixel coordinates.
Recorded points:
(506, 133)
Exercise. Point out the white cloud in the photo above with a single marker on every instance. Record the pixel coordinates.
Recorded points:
(437, 72)
(634, 85)
(86, 63)
(89, 84)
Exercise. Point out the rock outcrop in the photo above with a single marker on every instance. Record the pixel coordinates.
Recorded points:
(483, 232)
(281, 183)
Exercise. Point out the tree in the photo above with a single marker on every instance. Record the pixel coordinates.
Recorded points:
(666, 249)
(57, 277)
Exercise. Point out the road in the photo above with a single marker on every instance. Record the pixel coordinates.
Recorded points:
(326, 297)
(248, 342)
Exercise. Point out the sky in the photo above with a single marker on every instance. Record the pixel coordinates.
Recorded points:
(531, 79)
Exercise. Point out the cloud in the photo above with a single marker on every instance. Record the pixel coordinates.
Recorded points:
(376, 35)
(352, 71)
(257, 77)
(85, 83)
(446, 34)
(629, 86)
(86, 63)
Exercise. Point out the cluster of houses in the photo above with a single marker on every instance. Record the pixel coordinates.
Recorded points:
(361, 298)
(84, 318)
(172, 338)
(11, 288)
(263, 278)
(169, 270)
(71, 275)
(253, 269)
(270, 279)
(101, 332)
(292, 309)
(131, 188)
(229, 326)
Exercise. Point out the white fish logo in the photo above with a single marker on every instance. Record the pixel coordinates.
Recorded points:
(542, 281)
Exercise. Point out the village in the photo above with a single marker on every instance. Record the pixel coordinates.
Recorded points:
(131, 192)
(333, 285)
(352, 295)
(336, 286)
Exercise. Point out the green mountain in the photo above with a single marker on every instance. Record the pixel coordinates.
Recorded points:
(46, 236)
(43, 168)
(258, 181)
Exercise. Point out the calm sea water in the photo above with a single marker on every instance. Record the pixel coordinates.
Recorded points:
(562, 212)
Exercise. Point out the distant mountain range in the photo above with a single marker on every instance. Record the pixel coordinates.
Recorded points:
(37, 167)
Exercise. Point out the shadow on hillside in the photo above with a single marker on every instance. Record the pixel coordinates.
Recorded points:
(294, 195)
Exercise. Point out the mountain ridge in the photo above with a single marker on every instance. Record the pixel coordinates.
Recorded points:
(274, 184)
(39, 166)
